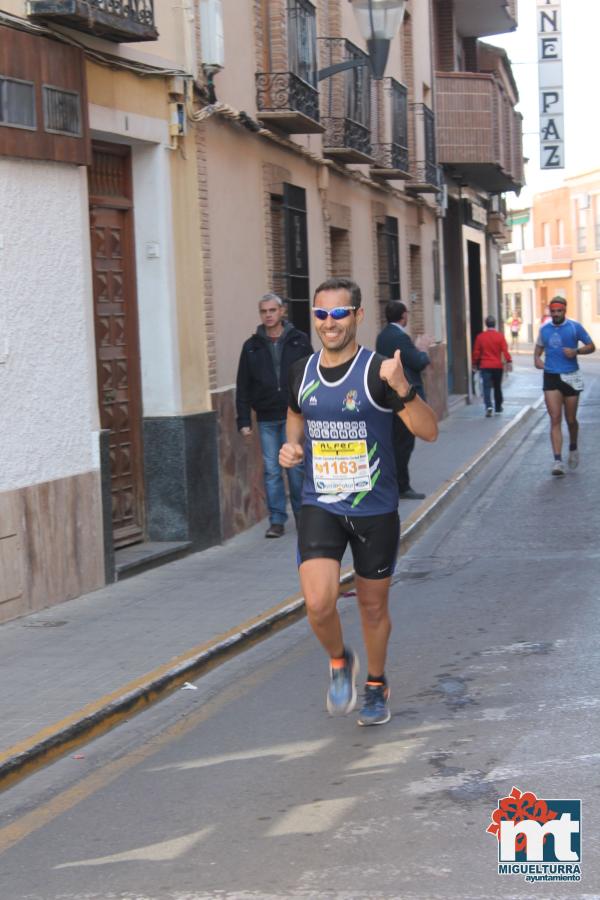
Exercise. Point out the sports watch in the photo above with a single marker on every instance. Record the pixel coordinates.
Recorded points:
(412, 393)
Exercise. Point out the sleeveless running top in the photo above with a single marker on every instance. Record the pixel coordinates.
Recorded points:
(349, 465)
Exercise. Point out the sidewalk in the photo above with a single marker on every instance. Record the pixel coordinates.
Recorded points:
(76, 669)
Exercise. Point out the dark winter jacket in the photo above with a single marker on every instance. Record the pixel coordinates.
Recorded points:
(257, 385)
(414, 361)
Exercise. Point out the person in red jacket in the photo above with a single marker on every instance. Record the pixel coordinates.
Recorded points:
(490, 352)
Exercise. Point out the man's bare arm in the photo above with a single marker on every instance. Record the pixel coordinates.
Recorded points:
(417, 415)
(571, 352)
(537, 356)
(292, 452)
(419, 418)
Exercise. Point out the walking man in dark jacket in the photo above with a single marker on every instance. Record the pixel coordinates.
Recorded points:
(414, 360)
(262, 385)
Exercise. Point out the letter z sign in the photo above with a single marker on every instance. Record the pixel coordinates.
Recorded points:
(552, 136)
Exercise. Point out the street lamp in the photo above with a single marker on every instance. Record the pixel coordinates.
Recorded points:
(379, 22)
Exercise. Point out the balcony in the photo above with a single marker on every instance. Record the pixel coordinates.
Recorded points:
(121, 21)
(481, 18)
(496, 226)
(390, 148)
(478, 131)
(345, 104)
(288, 102)
(425, 174)
(558, 253)
(391, 161)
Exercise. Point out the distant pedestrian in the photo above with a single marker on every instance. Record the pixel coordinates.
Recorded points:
(559, 341)
(414, 360)
(515, 327)
(490, 355)
(262, 385)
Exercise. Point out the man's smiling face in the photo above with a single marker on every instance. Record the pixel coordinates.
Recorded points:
(336, 334)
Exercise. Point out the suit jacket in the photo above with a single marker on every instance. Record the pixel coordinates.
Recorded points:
(393, 338)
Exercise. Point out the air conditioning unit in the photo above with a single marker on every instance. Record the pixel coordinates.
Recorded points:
(211, 35)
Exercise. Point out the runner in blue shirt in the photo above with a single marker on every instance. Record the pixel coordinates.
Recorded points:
(342, 403)
(559, 341)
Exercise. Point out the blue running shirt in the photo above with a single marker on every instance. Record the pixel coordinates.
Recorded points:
(554, 337)
(349, 466)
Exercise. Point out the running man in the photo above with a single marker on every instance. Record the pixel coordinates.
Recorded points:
(559, 340)
(340, 425)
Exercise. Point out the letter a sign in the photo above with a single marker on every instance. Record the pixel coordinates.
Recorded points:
(550, 70)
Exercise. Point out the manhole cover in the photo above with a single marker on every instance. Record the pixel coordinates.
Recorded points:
(53, 623)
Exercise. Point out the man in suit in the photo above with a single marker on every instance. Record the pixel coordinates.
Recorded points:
(414, 360)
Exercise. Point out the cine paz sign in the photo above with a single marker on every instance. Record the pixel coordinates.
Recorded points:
(550, 71)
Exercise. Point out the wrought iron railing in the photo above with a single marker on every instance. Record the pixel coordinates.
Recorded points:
(346, 134)
(425, 170)
(283, 91)
(346, 97)
(391, 156)
(140, 11)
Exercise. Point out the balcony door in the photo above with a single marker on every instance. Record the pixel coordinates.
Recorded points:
(116, 328)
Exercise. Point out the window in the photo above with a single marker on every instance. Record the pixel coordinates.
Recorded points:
(507, 307)
(62, 111)
(302, 40)
(437, 290)
(289, 248)
(17, 103)
(560, 230)
(388, 262)
(546, 234)
(581, 228)
(358, 89)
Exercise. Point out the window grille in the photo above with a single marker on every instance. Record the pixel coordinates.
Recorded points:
(302, 40)
(17, 103)
(62, 111)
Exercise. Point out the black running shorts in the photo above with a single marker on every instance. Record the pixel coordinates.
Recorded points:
(553, 382)
(373, 539)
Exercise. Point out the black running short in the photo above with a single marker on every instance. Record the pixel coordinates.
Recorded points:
(373, 539)
(553, 382)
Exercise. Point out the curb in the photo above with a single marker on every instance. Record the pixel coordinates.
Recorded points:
(94, 720)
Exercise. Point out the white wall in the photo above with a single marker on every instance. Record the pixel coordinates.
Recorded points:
(48, 405)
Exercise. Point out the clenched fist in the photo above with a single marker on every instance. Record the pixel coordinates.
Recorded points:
(290, 455)
(391, 371)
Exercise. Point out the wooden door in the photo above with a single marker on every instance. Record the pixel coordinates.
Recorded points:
(116, 327)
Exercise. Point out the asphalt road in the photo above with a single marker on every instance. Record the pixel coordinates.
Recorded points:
(245, 788)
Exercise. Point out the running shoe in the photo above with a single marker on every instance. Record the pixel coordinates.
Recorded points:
(573, 459)
(341, 694)
(488, 412)
(558, 467)
(375, 709)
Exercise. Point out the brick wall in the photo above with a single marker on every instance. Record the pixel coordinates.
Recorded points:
(415, 304)
(341, 254)
(273, 179)
(206, 255)
(444, 35)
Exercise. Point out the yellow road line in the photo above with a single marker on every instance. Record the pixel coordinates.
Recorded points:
(32, 821)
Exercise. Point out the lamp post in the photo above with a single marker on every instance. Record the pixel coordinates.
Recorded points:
(379, 21)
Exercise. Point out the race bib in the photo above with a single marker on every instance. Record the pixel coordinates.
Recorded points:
(573, 379)
(340, 467)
